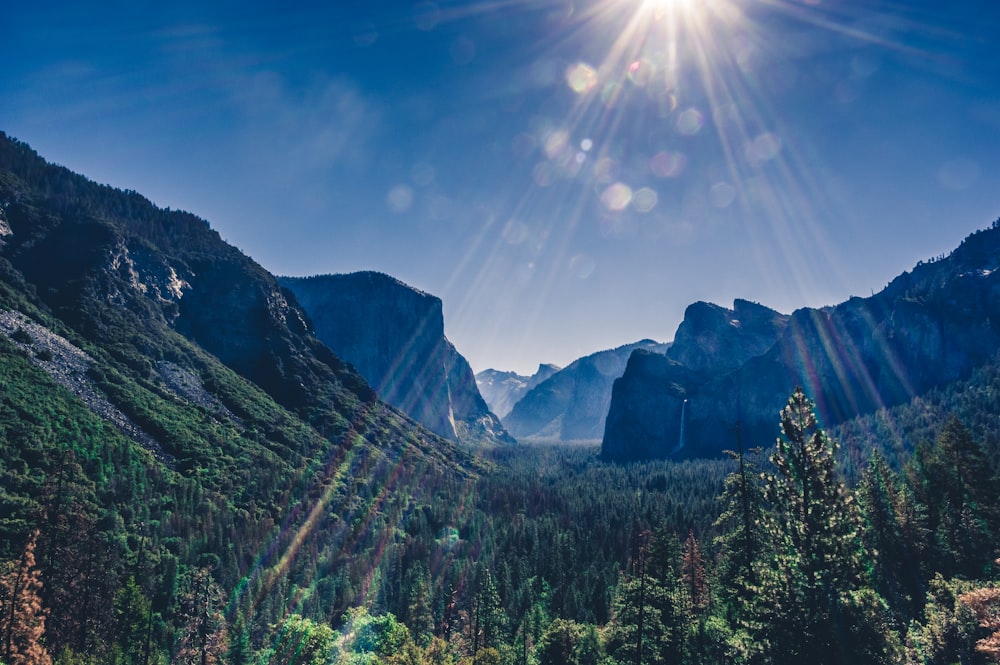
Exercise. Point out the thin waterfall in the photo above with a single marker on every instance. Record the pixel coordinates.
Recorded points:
(680, 436)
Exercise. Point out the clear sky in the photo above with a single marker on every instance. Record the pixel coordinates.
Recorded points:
(566, 176)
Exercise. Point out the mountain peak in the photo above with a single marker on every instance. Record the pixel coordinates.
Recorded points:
(929, 326)
(394, 335)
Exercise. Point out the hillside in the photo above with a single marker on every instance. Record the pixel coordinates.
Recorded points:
(168, 416)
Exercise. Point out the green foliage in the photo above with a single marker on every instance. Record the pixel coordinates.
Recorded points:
(371, 638)
(894, 535)
(947, 632)
(812, 574)
(301, 641)
(958, 489)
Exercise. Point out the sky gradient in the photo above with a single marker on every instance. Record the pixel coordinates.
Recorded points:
(566, 176)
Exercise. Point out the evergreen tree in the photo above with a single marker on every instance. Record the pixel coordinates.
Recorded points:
(892, 534)
(956, 486)
(693, 579)
(741, 546)
(946, 634)
(644, 616)
(488, 619)
(132, 616)
(22, 616)
(812, 527)
(204, 637)
(418, 607)
(740, 540)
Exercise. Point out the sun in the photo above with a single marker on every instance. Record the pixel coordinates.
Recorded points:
(662, 6)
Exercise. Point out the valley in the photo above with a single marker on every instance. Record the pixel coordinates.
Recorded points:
(202, 462)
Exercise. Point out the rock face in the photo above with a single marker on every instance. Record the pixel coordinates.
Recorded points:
(716, 340)
(572, 404)
(929, 326)
(502, 390)
(393, 334)
(172, 318)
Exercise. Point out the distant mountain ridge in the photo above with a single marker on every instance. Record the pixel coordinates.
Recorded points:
(394, 335)
(572, 404)
(502, 390)
(929, 326)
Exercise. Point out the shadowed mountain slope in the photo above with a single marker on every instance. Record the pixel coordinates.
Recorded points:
(930, 326)
(572, 404)
(167, 415)
(502, 390)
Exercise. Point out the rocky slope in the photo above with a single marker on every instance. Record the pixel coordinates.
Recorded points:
(394, 335)
(502, 390)
(571, 404)
(928, 327)
(178, 398)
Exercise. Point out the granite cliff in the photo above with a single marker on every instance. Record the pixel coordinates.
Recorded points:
(394, 336)
(930, 326)
(571, 405)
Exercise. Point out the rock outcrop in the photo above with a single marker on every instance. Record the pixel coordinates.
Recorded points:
(571, 405)
(716, 340)
(502, 390)
(393, 335)
(928, 327)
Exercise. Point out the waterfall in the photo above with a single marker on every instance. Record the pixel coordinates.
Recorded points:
(680, 442)
(680, 436)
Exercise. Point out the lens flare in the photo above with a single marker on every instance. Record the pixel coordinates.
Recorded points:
(581, 78)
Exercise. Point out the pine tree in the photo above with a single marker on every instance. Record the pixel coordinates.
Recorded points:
(813, 528)
(204, 637)
(132, 616)
(693, 578)
(955, 484)
(22, 616)
(740, 524)
(488, 619)
(645, 617)
(741, 546)
(892, 534)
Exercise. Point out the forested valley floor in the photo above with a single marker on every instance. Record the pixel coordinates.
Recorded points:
(544, 556)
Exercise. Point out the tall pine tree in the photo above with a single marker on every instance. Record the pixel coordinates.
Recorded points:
(815, 564)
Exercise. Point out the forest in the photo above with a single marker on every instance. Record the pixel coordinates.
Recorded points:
(547, 556)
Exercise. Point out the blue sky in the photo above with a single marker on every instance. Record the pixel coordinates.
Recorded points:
(566, 176)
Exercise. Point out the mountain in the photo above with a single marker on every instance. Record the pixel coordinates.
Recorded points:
(930, 326)
(715, 340)
(167, 416)
(572, 404)
(502, 390)
(394, 335)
